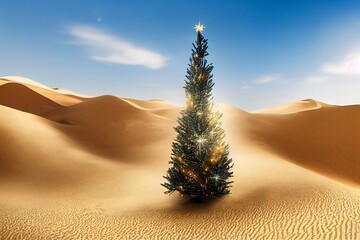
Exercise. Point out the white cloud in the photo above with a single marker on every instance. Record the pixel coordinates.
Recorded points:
(104, 47)
(350, 65)
(315, 79)
(267, 79)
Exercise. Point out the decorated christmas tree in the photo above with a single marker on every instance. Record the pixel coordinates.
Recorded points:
(200, 166)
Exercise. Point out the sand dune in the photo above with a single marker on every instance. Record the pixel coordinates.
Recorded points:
(36, 155)
(71, 93)
(323, 140)
(299, 106)
(73, 167)
(22, 98)
(110, 126)
(23, 80)
(157, 107)
(54, 95)
(147, 105)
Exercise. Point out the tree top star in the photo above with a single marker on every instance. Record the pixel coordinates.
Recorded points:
(199, 28)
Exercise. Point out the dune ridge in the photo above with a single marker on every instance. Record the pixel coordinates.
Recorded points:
(58, 96)
(22, 98)
(299, 106)
(23, 80)
(110, 126)
(321, 140)
(91, 168)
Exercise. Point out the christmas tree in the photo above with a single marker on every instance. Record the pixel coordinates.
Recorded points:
(200, 166)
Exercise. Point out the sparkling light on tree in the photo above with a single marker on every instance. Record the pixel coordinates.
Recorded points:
(200, 166)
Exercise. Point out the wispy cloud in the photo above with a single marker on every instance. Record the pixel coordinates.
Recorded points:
(315, 79)
(105, 47)
(350, 65)
(248, 85)
(267, 79)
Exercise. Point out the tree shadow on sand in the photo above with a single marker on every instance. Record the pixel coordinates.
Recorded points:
(185, 205)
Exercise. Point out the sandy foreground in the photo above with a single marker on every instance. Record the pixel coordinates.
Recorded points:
(73, 167)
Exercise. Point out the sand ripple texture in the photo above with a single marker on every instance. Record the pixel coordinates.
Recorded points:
(75, 167)
(308, 213)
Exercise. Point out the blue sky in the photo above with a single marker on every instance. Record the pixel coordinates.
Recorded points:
(264, 52)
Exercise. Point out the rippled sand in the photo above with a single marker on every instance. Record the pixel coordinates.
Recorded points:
(90, 168)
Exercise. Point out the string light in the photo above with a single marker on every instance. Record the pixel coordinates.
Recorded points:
(219, 149)
(216, 177)
(190, 102)
(180, 159)
(200, 142)
(201, 77)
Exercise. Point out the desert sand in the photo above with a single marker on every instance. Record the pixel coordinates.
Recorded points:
(75, 167)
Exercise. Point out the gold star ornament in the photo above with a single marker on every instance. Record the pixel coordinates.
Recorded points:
(199, 28)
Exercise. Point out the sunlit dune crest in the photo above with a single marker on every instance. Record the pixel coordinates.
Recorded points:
(91, 167)
(33, 84)
(23, 80)
(299, 106)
